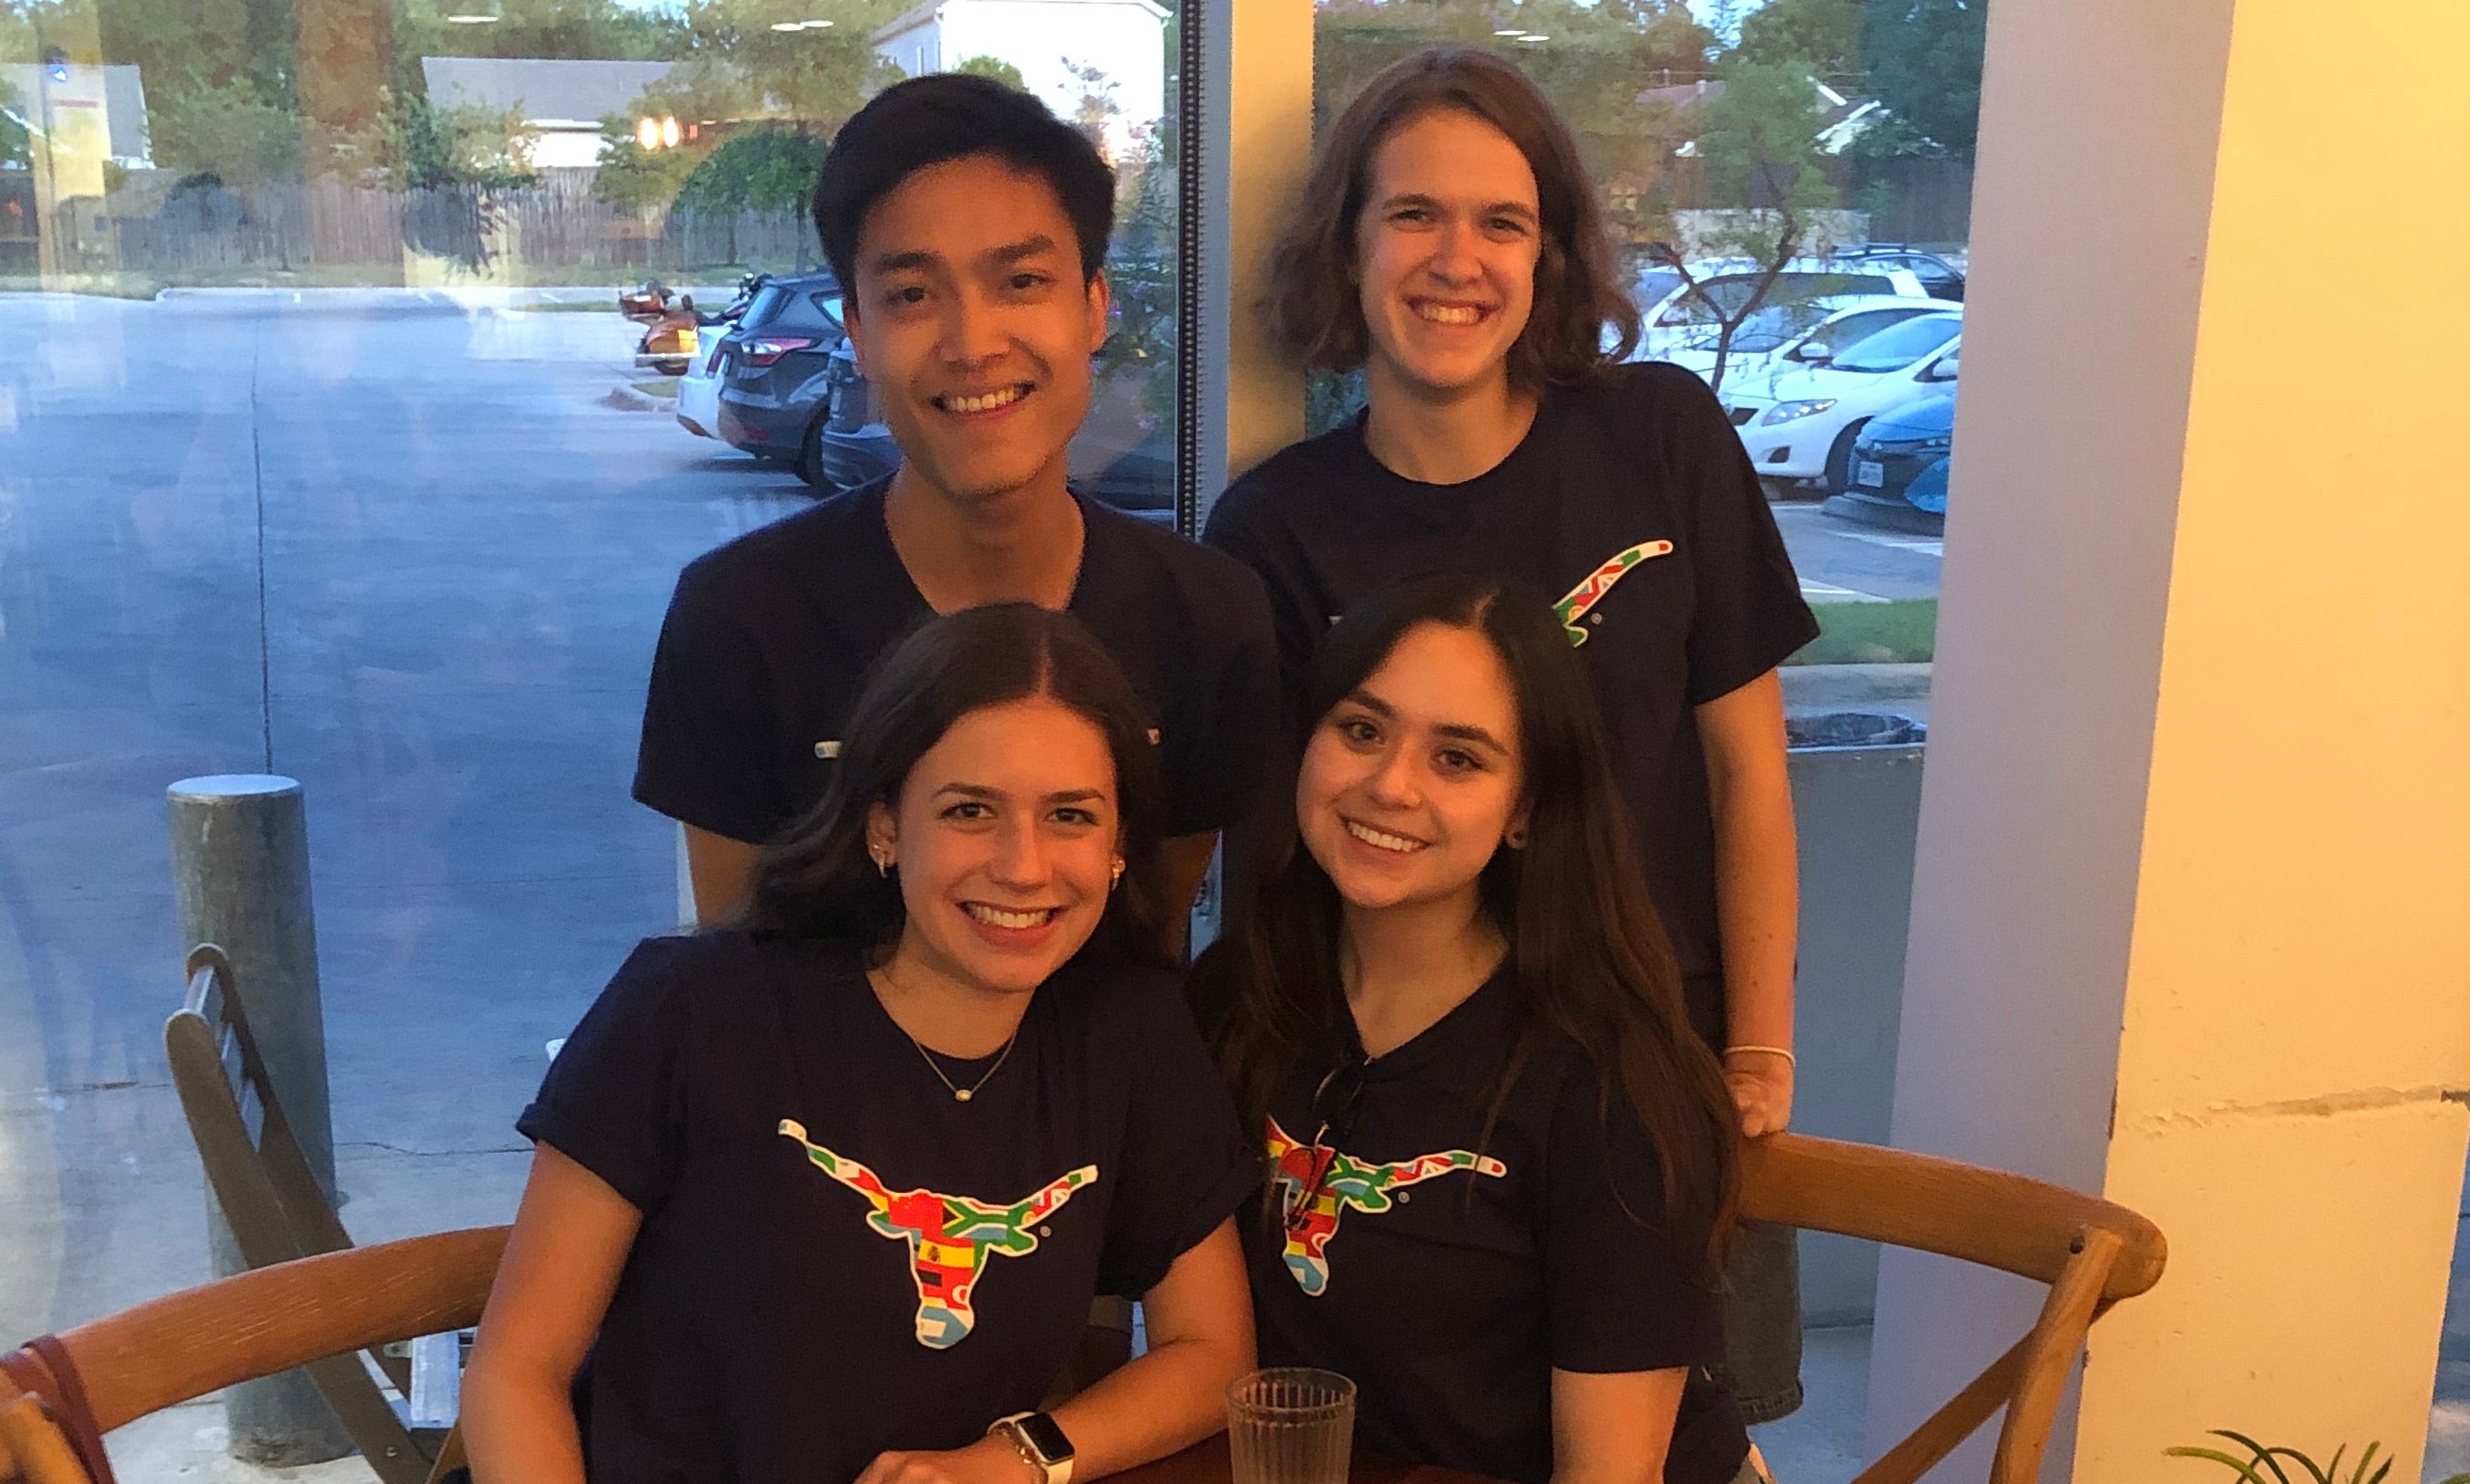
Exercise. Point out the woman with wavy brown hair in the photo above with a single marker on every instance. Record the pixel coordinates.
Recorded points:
(1450, 245)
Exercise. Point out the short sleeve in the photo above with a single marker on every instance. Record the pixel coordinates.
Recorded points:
(1225, 757)
(1750, 614)
(1186, 1164)
(710, 728)
(1618, 1296)
(613, 1099)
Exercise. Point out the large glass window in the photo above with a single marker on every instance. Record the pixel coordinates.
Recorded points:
(326, 450)
(1790, 184)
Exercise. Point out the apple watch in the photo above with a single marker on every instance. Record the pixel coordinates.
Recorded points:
(1041, 1443)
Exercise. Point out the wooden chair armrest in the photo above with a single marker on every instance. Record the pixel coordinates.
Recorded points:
(182, 1346)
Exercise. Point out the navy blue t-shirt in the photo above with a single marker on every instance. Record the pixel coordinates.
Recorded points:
(838, 1258)
(1449, 1261)
(1632, 501)
(768, 640)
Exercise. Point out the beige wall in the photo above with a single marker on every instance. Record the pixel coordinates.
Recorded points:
(2196, 834)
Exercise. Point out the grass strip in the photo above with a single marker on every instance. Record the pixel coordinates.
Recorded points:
(1900, 633)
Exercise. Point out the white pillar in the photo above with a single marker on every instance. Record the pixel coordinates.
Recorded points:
(1256, 138)
(2191, 920)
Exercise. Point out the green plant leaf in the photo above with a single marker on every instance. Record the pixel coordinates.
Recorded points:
(2246, 1473)
(2358, 1473)
(2263, 1454)
(2319, 1475)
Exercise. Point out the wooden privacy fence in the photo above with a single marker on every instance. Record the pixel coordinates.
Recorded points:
(289, 227)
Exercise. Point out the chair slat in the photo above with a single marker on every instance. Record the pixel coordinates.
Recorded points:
(2049, 1354)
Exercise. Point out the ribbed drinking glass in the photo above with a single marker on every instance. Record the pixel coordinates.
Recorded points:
(1291, 1424)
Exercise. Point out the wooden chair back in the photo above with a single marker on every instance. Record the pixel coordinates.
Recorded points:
(190, 1344)
(2091, 1253)
(276, 1209)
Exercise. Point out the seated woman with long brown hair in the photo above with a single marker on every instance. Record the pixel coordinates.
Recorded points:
(1502, 1169)
(825, 1195)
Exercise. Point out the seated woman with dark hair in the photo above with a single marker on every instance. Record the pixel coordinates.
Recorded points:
(825, 1195)
(1502, 1169)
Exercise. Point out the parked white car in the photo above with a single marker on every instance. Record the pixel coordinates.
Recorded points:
(1800, 429)
(1778, 339)
(1671, 315)
(699, 389)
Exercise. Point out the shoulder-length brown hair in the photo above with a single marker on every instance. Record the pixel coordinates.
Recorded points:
(1315, 315)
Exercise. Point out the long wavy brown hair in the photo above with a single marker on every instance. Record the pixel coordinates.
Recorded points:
(1588, 956)
(1312, 308)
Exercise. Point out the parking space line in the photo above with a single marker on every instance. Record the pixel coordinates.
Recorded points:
(1928, 546)
(1828, 593)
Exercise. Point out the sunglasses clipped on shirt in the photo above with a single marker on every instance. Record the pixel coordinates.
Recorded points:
(1335, 1104)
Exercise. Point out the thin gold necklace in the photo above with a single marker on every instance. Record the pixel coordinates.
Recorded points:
(958, 1093)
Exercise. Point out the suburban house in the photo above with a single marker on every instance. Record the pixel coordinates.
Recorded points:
(564, 100)
(1123, 42)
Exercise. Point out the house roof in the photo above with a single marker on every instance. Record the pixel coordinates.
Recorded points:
(550, 90)
(928, 11)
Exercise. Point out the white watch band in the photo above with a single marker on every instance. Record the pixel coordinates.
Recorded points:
(1057, 1471)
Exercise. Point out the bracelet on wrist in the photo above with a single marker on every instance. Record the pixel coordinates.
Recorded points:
(1785, 1052)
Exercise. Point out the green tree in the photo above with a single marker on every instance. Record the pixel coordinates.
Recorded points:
(1923, 62)
(606, 29)
(817, 75)
(770, 167)
(229, 131)
(635, 178)
(994, 67)
(1822, 35)
(1095, 107)
(463, 145)
(1756, 146)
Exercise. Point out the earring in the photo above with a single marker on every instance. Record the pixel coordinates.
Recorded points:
(1115, 875)
(882, 861)
(1516, 840)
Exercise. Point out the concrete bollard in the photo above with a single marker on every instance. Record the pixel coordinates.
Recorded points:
(239, 870)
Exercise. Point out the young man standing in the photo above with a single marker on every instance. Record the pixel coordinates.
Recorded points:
(967, 226)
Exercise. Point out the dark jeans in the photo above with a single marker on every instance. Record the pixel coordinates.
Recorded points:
(1762, 1323)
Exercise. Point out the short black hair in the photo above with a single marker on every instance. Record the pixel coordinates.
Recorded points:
(950, 116)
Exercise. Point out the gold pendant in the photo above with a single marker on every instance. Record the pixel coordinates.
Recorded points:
(961, 1094)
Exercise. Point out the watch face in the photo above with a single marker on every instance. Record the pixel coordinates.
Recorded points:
(1045, 1437)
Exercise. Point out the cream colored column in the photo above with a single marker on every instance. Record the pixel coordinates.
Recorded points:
(2191, 920)
(1257, 136)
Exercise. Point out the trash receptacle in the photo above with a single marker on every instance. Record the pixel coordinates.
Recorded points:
(1852, 728)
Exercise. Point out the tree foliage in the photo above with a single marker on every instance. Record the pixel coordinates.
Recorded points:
(602, 29)
(993, 67)
(1823, 37)
(636, 178)
(767, 169)
(1923, 62)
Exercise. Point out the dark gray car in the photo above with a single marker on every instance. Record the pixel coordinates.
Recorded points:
(774, 392)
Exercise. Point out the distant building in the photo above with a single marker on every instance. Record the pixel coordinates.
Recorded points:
(115, 92)
(1123, 39)
(564, 100)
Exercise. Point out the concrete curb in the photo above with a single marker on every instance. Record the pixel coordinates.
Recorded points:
(1852, 687)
